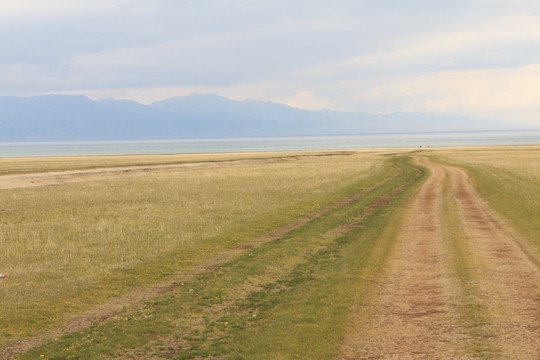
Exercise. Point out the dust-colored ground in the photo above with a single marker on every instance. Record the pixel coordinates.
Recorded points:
(414, 312)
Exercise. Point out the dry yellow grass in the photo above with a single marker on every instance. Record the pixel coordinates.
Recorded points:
(60, 163)
(68, 246)
(523, 161)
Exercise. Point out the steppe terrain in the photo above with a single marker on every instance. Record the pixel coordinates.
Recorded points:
(381, 254)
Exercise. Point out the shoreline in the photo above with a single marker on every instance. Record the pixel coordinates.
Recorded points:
(270, 144)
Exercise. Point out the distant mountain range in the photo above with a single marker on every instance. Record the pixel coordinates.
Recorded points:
(77, 118)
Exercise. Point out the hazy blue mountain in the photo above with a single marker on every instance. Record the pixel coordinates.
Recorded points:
(77, 118)
(221, 117)
(271, 119)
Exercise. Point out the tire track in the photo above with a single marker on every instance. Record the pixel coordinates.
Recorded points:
(417, 310)
(413, 315)
(40, 179)
(506, 276)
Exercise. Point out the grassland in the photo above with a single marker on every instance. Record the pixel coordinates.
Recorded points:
(69, 247)
(266, 258)
(27, 165)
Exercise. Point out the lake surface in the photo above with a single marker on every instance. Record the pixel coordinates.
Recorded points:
(522, 137)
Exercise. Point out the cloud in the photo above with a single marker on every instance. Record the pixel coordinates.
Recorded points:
(471, 57)
(489, 93)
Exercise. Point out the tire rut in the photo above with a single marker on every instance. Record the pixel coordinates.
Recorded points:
(39, 179)
(413, 312)
(507, 277)
(416, 310)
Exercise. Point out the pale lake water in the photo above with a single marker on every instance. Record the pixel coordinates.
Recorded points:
(409, 140)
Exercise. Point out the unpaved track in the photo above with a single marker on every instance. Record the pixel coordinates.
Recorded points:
(507, 277)
(412, 316)
(416, 311)
(65, 177)
(71, 176)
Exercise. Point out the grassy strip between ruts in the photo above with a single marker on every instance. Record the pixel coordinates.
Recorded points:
(474, 317)
(284, 299)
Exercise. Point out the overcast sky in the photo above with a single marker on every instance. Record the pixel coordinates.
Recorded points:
(474, 57)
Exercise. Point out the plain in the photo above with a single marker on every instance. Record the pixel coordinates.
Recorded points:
(242, 256)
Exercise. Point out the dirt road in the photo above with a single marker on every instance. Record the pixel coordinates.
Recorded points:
(65, 177)
(72, 176)
(507, 276)
(419, 309)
